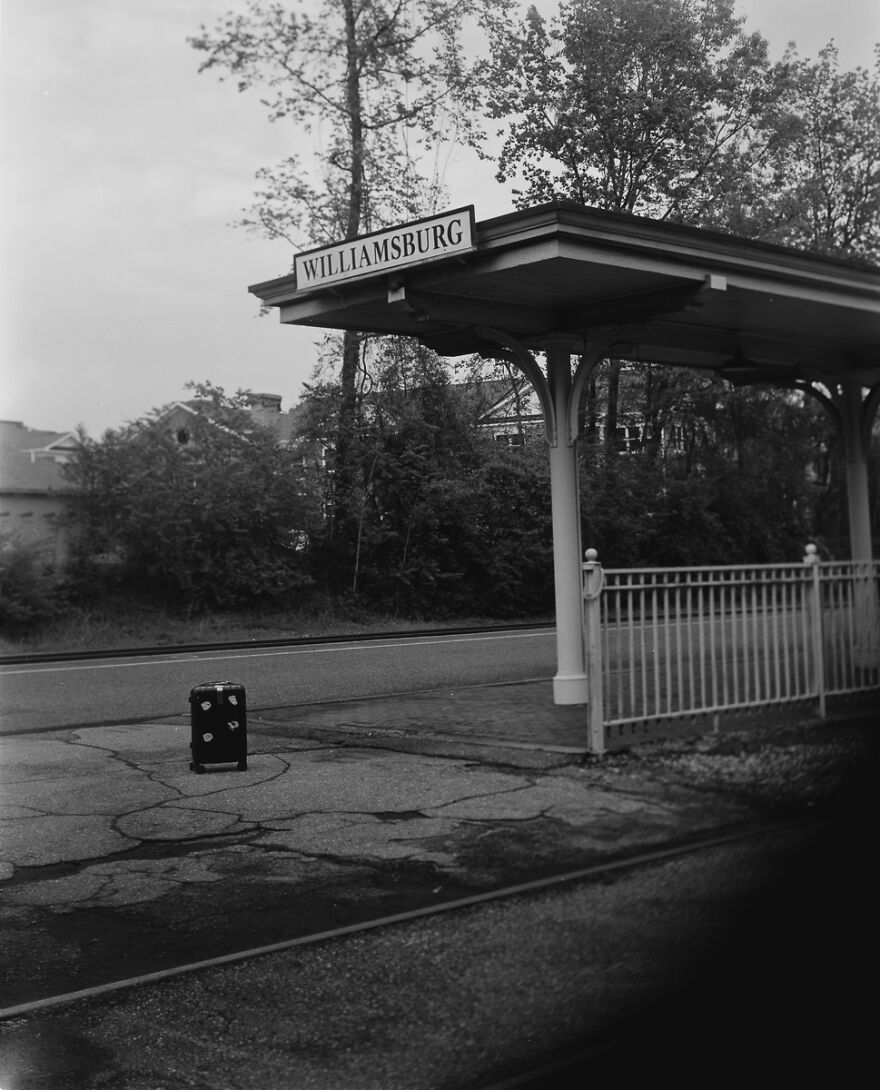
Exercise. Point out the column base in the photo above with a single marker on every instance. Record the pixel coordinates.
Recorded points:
(570, 689)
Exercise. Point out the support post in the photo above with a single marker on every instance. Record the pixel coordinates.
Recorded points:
(594, 582)
(570, 683)
(855, 435)
(814, 615)
(856, 417)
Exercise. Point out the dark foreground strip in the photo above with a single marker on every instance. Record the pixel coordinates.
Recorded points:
(541, 1076)
(597, 870)
(246, 645)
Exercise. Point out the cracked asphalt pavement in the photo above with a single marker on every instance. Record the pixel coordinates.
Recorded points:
(116, 860)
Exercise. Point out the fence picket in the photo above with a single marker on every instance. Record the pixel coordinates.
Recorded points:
(765, 634)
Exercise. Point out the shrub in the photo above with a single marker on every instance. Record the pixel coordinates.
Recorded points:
(29, 592)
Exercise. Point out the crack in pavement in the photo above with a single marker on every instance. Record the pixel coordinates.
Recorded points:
(170, 822)
(147, 851)
(328, 803)
(346, 835)
(113, 884)
(112, 754)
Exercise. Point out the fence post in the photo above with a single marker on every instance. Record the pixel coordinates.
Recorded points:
(866, 617)
(814, 617)
(594, 581)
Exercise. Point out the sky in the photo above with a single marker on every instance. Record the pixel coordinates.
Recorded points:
(123, 168)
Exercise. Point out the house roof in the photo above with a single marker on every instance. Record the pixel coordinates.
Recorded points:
(31, 459)
(283, 425)
(655, 291)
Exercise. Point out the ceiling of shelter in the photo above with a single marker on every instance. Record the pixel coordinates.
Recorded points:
(665, 293)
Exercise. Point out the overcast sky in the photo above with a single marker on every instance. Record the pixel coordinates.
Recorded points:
(122, 169)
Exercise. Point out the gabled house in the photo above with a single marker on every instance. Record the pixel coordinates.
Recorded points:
(31, 484)
(265, 409)
(510, 410)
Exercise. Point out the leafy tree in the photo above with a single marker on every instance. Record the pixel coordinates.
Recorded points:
(641, 106)
(210, 515)
(629, 105)
(666, 108)
(413, 451)
(742, 478)
(817, 185)
(29, 591)
(374, 79)
(515, 578)
(448, 523)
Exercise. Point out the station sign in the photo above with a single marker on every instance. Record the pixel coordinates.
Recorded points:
(446, 235)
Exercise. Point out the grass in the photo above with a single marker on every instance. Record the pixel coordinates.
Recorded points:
(129, 624)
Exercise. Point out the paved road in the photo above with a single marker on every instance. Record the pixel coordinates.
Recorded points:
(53, 695)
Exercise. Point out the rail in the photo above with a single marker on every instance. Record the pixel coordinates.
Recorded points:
(665, 644)
(149, 651)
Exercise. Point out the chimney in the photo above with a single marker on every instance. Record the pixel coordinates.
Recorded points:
(265, 403)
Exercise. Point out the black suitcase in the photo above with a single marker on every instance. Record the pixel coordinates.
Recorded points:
(218, 720)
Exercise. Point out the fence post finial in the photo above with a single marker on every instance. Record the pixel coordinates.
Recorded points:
(812, 554)
(594, 577)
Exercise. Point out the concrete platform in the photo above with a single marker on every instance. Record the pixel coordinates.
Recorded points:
(116, 860)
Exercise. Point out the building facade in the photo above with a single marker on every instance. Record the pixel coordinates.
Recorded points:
(32, 484)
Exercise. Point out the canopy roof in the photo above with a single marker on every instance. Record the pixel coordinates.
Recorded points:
(665, 293)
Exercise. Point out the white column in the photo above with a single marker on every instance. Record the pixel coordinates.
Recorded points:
(570, 682)
(852, 416)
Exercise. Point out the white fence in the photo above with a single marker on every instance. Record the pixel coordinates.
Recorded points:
(666, 644)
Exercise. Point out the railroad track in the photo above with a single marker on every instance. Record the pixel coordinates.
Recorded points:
(246, 645)
(595, 872)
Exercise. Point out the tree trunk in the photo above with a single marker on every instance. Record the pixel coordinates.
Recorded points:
(611, 416)
(354, 107)
(344, 469)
